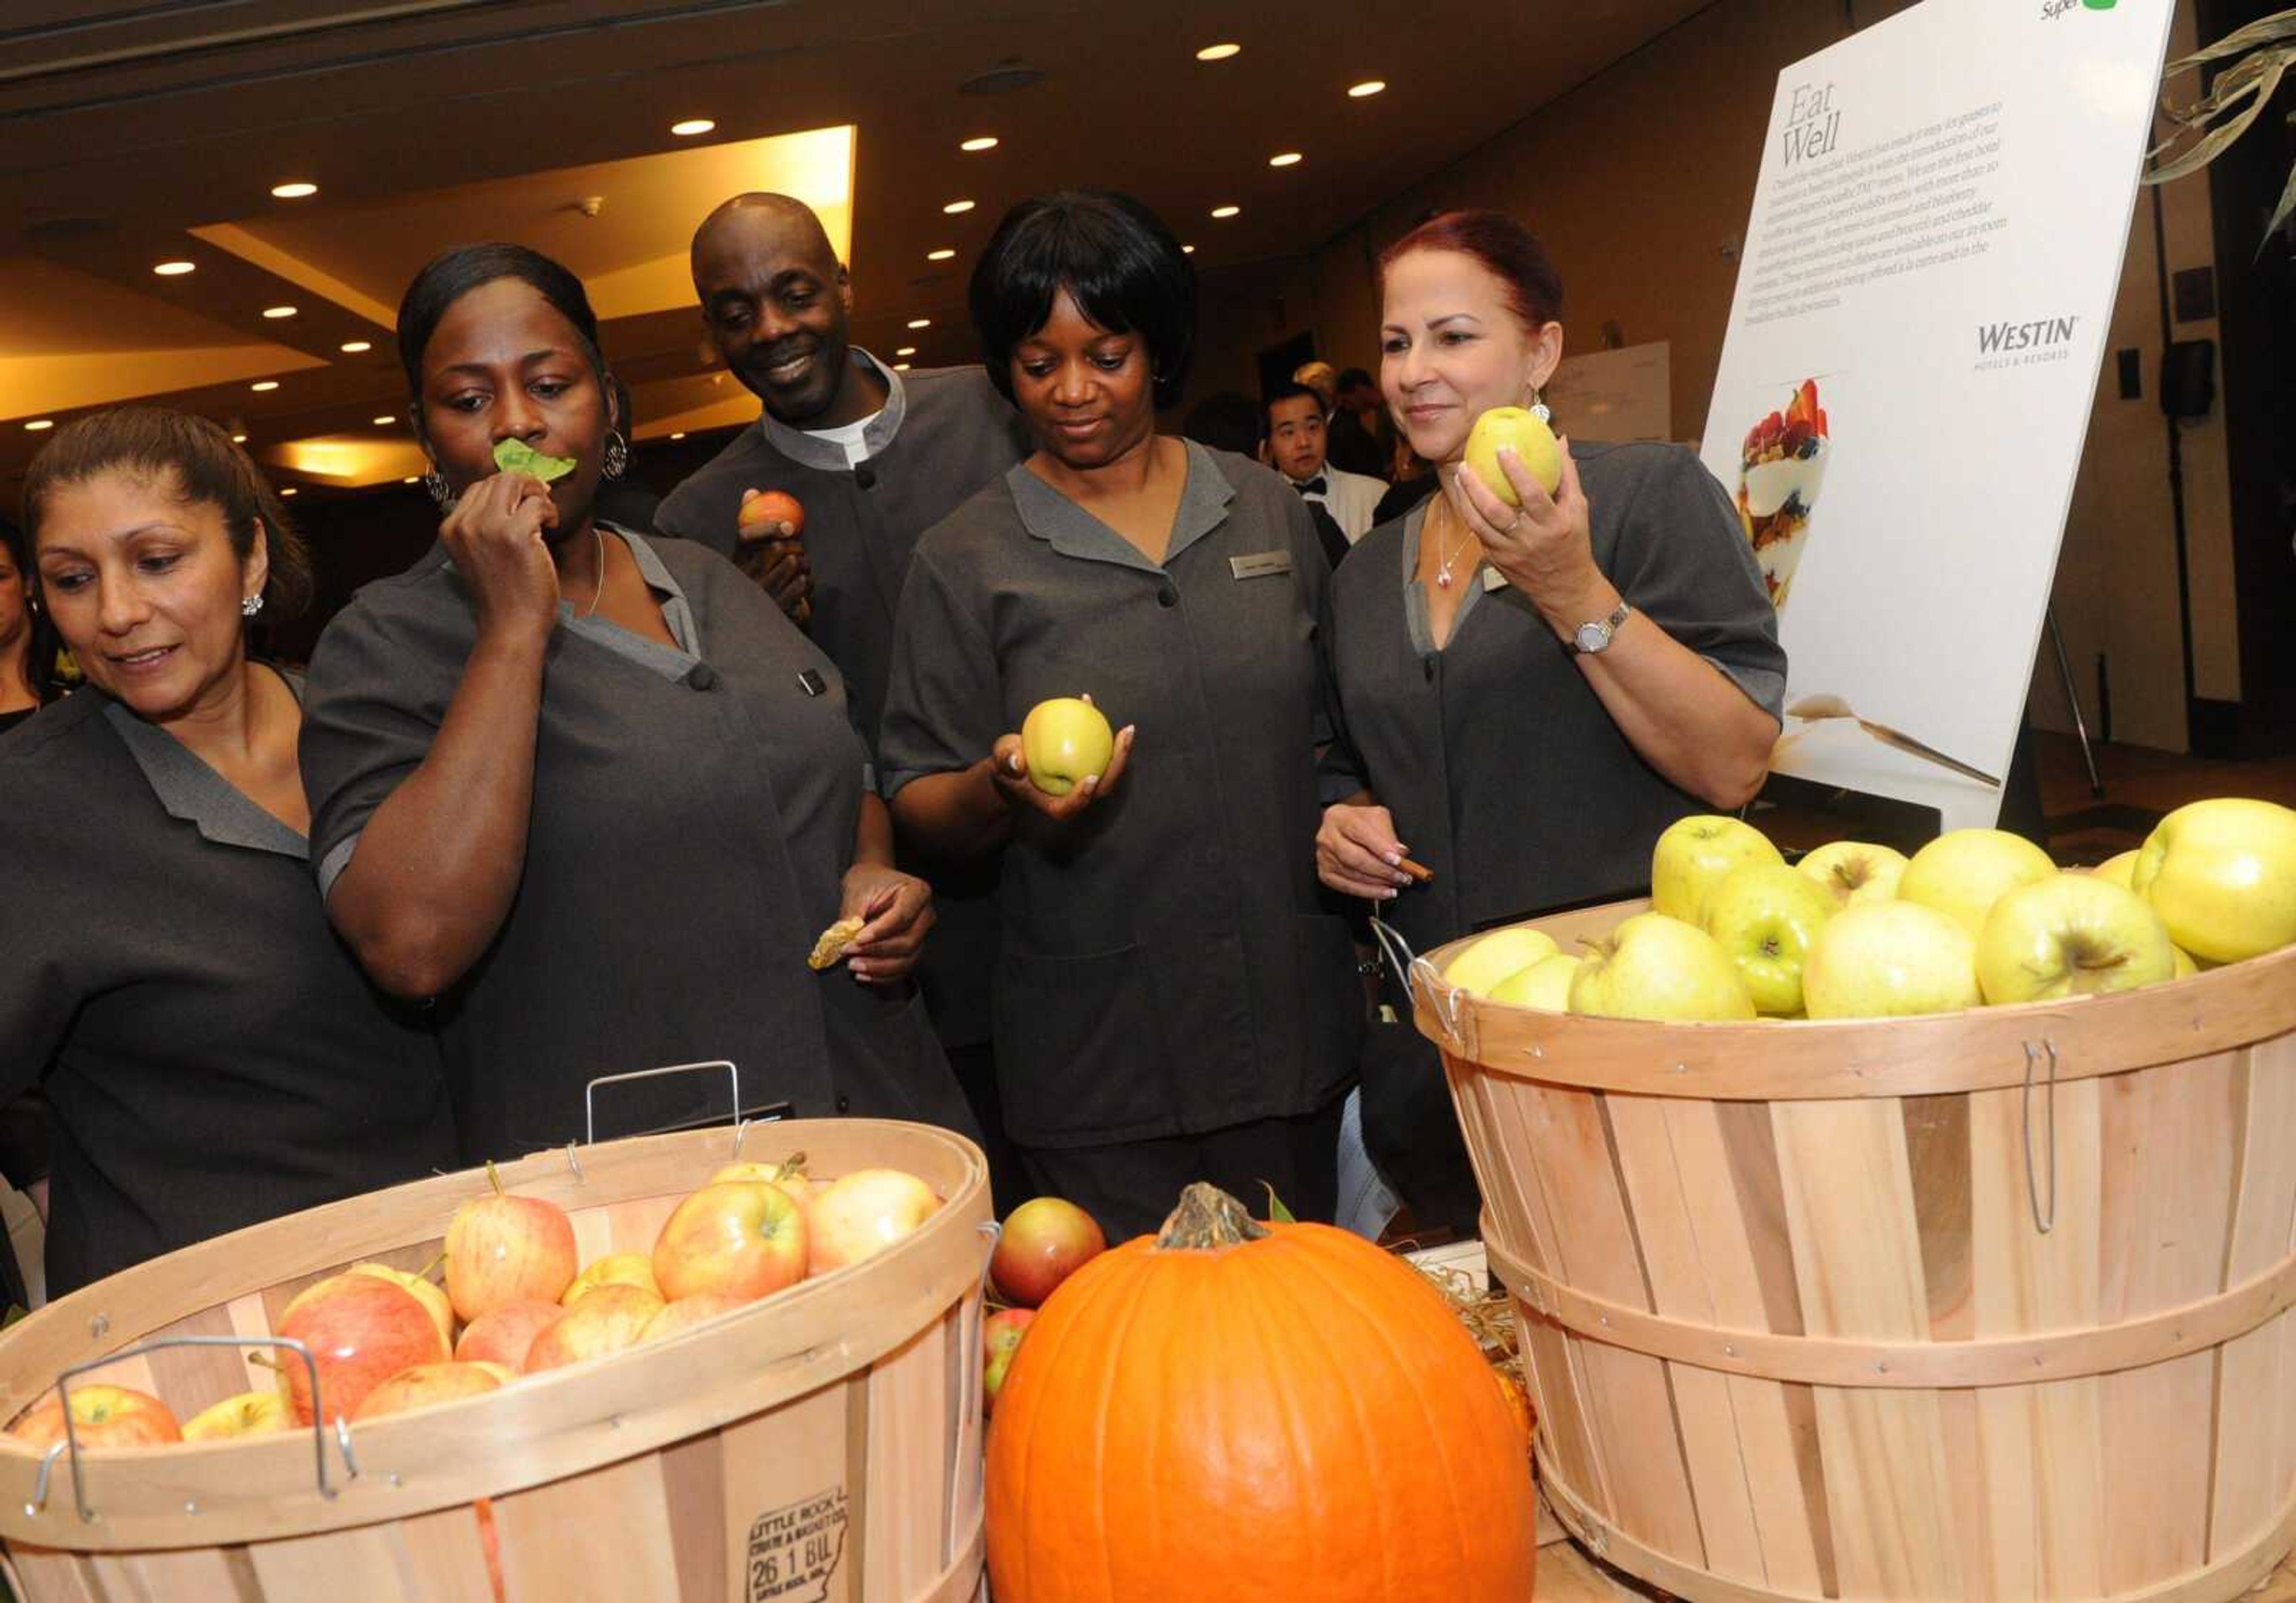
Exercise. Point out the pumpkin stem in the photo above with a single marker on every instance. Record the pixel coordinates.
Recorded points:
(1209, 1219)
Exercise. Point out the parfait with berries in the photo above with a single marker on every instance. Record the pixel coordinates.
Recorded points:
(1781, 468)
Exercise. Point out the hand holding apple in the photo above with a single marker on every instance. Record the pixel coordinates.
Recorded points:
(1527, 435)
(1063, 759)
(1538, 538)
(1044, 1240)
(2222, 875)
(770, 548)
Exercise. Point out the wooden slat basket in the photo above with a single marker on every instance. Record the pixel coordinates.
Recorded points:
(1983, 1305)
(823, 1444)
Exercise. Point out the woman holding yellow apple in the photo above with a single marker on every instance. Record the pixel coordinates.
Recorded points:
(1535, 678)
(1172, 1003)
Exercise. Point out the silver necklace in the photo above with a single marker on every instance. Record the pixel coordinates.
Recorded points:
(1443, 571)
(598, 594)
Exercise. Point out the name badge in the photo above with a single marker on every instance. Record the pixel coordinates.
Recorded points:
(1493, 579)
(1260, 564)
(811, 682)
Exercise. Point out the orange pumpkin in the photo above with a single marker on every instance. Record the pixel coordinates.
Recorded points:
(1232, 1412)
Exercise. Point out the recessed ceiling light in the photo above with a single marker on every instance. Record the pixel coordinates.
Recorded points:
(1370, 85)
(900, 367)
(921, 323)
(297, 191)
(38, 424)
(352, 348)
(1284, 158)
(384, 421)
(1218, 52)
(260, 385)
(239, 440)
(691, 126)
(1187, 250)
(986, 142)
(290, 490)
(412, 479)
(907, 350)
(276, 312)
(1225, 211)
(173, 269)
(679, 435)
(955, 207)
(941, 255)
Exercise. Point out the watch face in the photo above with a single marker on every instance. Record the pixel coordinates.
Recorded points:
(1594, 637)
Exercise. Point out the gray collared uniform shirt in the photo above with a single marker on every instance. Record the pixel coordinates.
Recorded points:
(212, 1054)
(693, 817)
(943, 434)
(1167, 967)
(1494, 756)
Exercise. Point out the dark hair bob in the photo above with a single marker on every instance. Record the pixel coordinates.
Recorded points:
(1116, 258)
(195, 459)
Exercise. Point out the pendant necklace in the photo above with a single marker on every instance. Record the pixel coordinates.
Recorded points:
(1443, 573)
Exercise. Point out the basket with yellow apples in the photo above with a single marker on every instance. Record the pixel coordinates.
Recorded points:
(1903, 1229)
(764, 1384)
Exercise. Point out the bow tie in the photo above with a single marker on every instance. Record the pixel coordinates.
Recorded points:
(1312, 487)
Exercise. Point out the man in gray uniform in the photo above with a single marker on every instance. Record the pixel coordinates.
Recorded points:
(873, 458)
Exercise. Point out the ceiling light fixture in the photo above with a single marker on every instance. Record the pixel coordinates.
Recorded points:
(412, 479)
(261, 385)
(352, 348)
(679, 435)
(985, 142)
(38, 424)
(955, 208)
(296, 190)
(907, 350)
(1187, 250)
(691, 126)
(921, 323)
(1218, 52)
(1369, 86)
(1284, 158)
(173, 269)
(900, 367)
(385, 421)
(239, 440)
(941, 255)
(276, 312)
(290, 490)
(1224, 212)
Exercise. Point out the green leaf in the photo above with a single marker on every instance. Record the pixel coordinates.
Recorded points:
(2280, 212)
(1277, 1213)
(516, 456)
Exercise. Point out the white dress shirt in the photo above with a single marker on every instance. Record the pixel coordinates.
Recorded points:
(1350, 498)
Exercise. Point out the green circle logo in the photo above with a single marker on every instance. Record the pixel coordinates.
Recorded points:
(2100, 4)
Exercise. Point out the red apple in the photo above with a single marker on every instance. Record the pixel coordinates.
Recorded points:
(864, 1213)
(424, 1385)
(427, 1292)
(615, 1269)
(603, 1323)
(102, 1416)
(502, 1249)
(770, 515)
(1044, 1240)
(739, 1237)
(688, 1311)
(249, 1414)
(1000, 1338)
(503, 1334)
(361, 1330)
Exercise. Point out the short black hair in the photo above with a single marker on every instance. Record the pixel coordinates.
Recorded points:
(451, 275)
(1349, 377)
(1291, 389)
(206, 470)
(1116, 258)
(40, 655)
(1225, 420)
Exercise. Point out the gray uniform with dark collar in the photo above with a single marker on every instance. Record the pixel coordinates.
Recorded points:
(693, 817)
(942, 434)
(1167, 968)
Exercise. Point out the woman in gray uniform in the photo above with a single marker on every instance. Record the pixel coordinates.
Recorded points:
(598, 796)
(1172, 1003)
(210, 1054)
(1529, 695)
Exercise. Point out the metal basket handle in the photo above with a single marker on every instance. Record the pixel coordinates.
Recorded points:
(1413, 972)
(71, 1443)
(590, 1092)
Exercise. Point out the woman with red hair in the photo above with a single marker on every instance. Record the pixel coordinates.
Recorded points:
(1532, 693)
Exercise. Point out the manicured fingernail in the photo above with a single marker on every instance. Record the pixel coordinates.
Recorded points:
(1402, 879)
(1392, 859)
(1387, 895)
(1091, 783)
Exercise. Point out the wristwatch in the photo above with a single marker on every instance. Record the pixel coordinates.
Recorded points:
(1591, 638)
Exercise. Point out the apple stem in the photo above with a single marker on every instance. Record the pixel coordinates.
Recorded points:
(493, 1178)
(427, 1269)
(793, 1166)
(264, 1361)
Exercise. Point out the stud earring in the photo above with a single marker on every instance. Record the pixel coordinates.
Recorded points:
(249, 606)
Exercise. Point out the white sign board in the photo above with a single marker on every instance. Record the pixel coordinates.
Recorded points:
(1615, 395)
(1929, 274)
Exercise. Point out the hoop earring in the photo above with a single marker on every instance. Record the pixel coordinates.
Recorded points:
(250, 605)
(443, 498)
(617, 459)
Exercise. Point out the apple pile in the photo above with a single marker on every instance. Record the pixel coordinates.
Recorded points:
(1044, 1241)
(1977, 917)
(518, 1302)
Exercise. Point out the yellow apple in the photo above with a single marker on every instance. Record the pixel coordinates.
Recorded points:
(1527, 433)
(249, 1414)
(1545, 984)
(2222, 876)
(1064, 741)
(1765, 915)
(1855, 871)
(2121, 870)
(1692, 855)
(1886, 960)
(2071, 935)
(2184, 964)
(1964, 872)
(1491, 958)
(615, 1269)
(1655, 966)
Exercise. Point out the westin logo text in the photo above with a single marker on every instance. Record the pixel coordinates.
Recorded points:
(1994, 339)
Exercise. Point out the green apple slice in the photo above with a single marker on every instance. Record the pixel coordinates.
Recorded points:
(516, 456)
